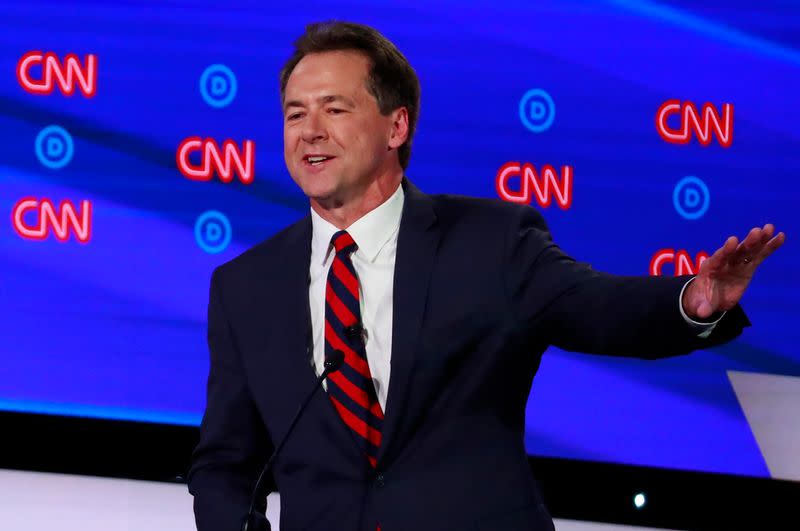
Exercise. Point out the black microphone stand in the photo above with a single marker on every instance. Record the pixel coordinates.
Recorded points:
(255, 520)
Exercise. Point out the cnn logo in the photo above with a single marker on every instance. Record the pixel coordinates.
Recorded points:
(224, 161)
(35, 219)
(543, 186)
(52, 72)
(702, 123)
(681, 261)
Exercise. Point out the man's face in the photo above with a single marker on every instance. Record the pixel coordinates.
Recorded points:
(328, 112)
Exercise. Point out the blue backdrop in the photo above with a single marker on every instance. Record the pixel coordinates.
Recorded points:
(115, 326)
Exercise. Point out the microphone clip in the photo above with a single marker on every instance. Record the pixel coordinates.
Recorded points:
(356, 332)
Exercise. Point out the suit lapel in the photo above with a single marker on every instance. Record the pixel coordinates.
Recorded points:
(417, 242)
(295, 356)
(293, 295)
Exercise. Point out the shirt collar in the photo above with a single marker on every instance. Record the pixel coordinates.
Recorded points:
(370, 232)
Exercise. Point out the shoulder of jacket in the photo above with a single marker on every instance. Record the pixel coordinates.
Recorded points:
(263, 254)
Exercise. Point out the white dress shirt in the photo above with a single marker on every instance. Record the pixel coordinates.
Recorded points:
(375, 233)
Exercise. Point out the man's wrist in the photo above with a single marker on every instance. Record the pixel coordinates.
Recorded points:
(704, 327)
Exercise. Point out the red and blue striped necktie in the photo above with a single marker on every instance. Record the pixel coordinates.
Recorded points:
(350, 389)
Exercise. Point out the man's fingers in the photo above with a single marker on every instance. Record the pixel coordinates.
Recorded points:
(731, 243)
(765, 236)
(766, 245)
(722, 254)
(752, 250)
(766, 233)
(751, 241)
(772, 245)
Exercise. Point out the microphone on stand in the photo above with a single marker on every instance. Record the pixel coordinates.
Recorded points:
(257, 521)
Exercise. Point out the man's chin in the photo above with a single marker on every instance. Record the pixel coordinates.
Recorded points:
(327, 201)
(316, 186)
(324, 195)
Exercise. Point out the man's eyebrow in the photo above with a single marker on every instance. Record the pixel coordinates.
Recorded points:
(337, 97)
(292, 103)
(331, 98)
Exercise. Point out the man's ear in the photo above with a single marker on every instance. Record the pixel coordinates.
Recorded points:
(398, 134)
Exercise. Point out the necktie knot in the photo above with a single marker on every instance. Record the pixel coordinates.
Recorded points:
(343, 243)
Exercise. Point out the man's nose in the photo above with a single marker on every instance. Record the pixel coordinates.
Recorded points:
(313, 129)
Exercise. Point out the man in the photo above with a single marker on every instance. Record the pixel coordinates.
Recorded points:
(442, 306)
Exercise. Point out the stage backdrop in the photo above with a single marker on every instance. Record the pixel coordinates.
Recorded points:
(141, 146)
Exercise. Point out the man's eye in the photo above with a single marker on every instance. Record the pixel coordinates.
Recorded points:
(335, 111)
(294, 116)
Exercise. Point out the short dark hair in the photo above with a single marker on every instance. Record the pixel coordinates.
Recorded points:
(391, 78)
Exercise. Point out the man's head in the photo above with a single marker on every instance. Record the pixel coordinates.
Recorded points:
(347, 94)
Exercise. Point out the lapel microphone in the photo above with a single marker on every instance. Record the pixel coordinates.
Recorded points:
(256, 520)
(356, 332)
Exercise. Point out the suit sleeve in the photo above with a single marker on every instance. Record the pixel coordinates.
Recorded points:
(579, 309)
(233, 442)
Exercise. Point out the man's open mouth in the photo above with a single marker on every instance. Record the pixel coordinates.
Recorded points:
(317, 160)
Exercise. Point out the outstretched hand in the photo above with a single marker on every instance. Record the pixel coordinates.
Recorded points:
(724, 276)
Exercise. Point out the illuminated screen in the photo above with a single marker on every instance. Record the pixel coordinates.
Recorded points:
(142, 146)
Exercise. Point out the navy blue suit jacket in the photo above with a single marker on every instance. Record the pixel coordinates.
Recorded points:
(480, 290)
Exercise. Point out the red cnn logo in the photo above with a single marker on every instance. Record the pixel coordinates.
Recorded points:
(680, 259)
(62, 221)
(544, 186)
(65, 74)
(692, 120)
(212, 158)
